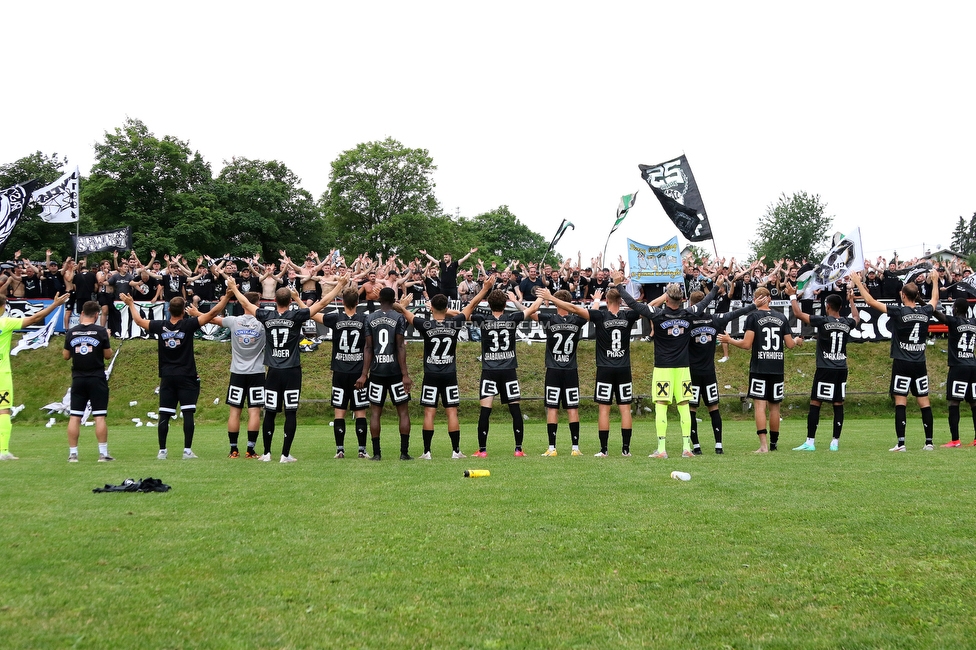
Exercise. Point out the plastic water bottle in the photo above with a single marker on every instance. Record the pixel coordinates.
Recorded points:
(476, 473)
(681, 476)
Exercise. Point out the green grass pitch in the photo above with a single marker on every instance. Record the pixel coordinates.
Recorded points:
(860, 548)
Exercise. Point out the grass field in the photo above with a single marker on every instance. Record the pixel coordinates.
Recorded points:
(860, 548)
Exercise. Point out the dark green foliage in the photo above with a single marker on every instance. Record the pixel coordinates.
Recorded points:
(795, 227)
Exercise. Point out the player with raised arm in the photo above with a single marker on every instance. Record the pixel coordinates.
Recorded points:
(705, 329)
(830, 379)
(386, 361)
(499, 331)
(563, 331)
(283, 383)
(909, 326)
(961, 380)
(767, 335)
(246, 385)
(179, 382)
(348, 327)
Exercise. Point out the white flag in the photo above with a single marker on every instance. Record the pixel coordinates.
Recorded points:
(39, 338)
(59, 200)
(846, 256)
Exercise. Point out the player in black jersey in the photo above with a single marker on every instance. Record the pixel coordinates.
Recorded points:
(348, 368)
(701, 353)
(386, 361)
(440, 333)
(909, 325)
(283, 384)
(672, 365)
(179, 382)
(830, 379)
(961, 381)
(563, 331)
(499, 331)
(87, 345)
(767, 335)
(613, 375)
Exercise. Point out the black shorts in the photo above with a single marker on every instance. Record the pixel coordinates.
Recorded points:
(245, 389)
(769, 388)
(309, 295)
(106, 299)
(829, 385)
(500, 382)
(961, 384)
(80, 300)
(89, 388)
(72, 299)
(613, 383)
(440, 387)
(909, 377)
(344, 393)
(562, 389)
(704, 388)
(282, 389)
(380, 387)
(183, 390)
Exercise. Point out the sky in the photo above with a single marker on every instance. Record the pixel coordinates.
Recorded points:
(545, 107)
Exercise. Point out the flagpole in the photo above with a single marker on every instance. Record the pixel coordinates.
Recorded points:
(78, 222)
(552, 243)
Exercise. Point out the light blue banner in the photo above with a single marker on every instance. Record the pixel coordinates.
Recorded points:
(654, 264)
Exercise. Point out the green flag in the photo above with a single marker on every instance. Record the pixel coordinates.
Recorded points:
(626, 203)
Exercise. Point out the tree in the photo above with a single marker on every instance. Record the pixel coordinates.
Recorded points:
(501, 237)
(33, 235)
(379, 193)
(159, 187)
(267, 210)
(795, 227)
(964, 236)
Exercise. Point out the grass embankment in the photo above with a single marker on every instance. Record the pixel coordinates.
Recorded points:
(42, 376)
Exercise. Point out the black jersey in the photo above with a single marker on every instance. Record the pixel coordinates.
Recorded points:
(173, 284)
(85, 282)
(440, 343)
(86, 345)
(250, 283)
(348, 340)
(909, 328)
(770, 329)
(613, 337)
(175, 346)
(383, 327)
(283, 334)
(562, 339)
(704, 333)
(203, 287)
(144, 291)
(833, 335)
(32, 285)
(498, 337)
(962, 336)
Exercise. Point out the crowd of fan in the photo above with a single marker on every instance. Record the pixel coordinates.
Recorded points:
(204, 280)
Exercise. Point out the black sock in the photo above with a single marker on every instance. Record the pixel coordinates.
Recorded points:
(972, 406)
(813, 420)
(162, 429)
(233, 437)
(518, 424)
(838, 420)
(901, 413)
(361, 433)
(954, 421)
(604, 440)
(773, 439)
(455, 440)
(716, 416)
(551, 428)
(694, 429)
(404, 444)
(339, 431)
(376, 446)
(574, 431)
(267, 430)
(291, 426)
(188, 429)
(428, 436)
(625, 435)
(252, 440)
(927, 424)
(483, 423)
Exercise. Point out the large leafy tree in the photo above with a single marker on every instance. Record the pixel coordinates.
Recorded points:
(500, 237)
(32, 235)
(160, 187)
(964, 236)
(794, 227)
(267, 210)
(380, 198)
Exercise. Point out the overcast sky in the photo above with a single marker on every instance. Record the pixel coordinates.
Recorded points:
(545, 107)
